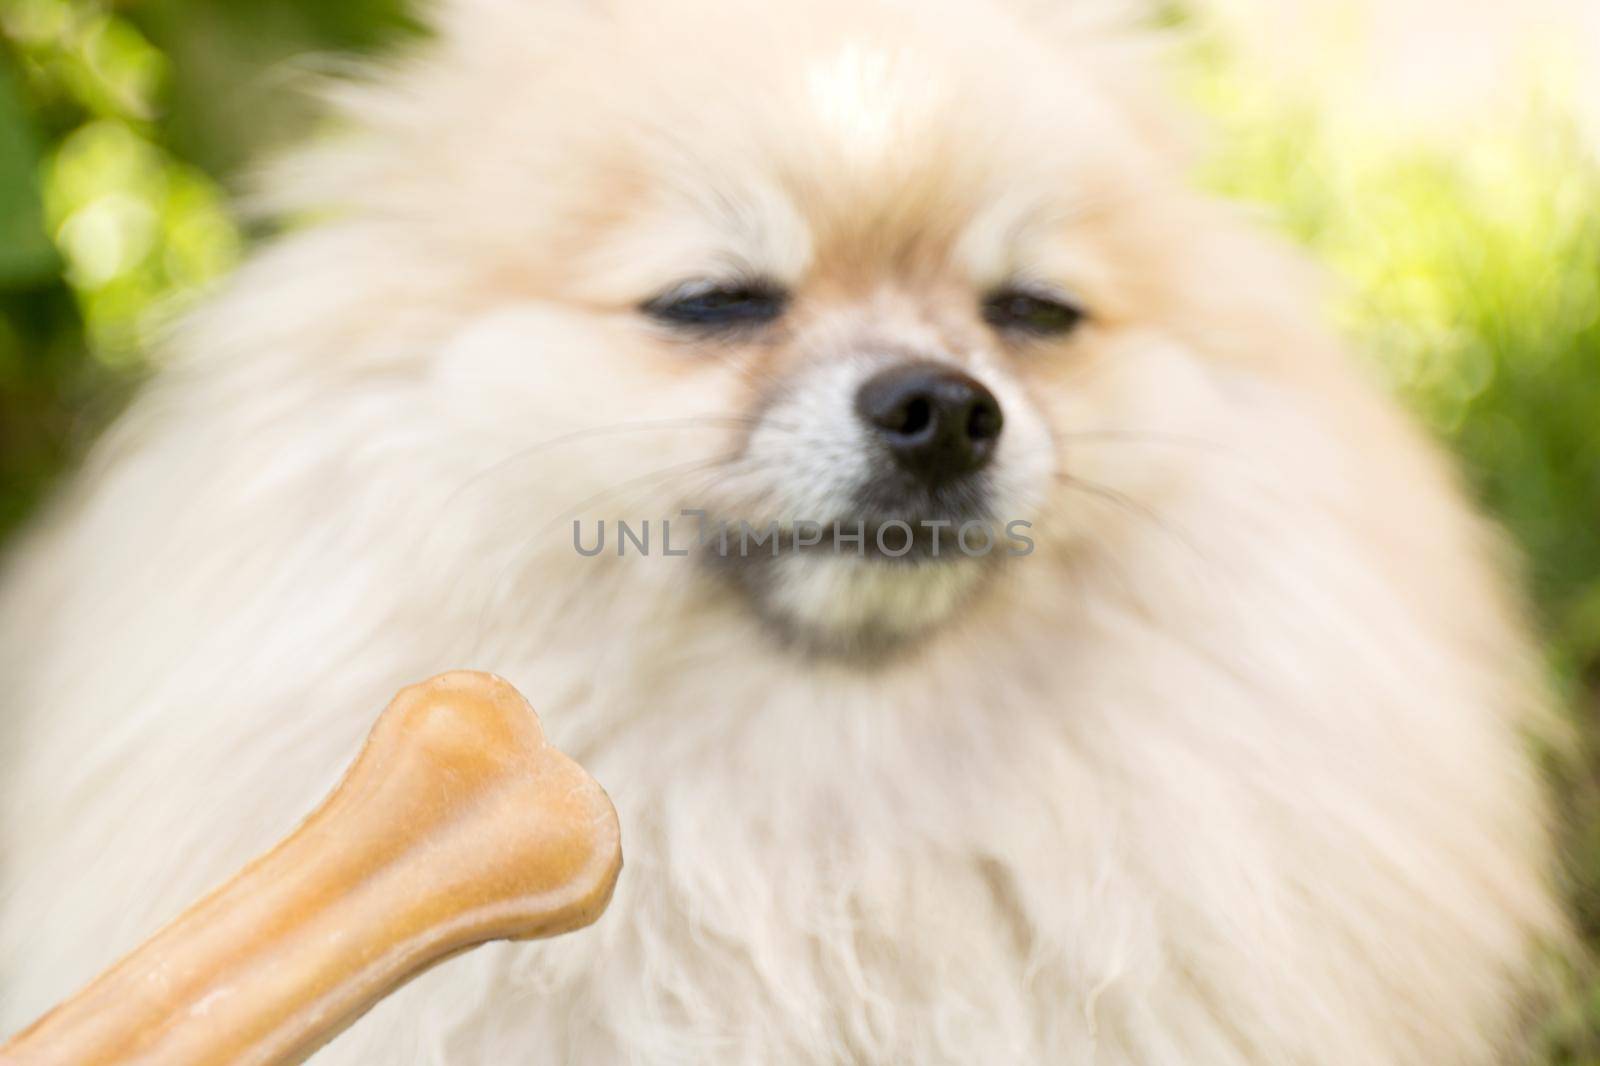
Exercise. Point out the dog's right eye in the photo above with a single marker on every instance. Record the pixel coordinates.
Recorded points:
(719, 305)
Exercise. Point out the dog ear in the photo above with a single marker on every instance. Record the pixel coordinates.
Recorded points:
(1130, 54)
(397, 96)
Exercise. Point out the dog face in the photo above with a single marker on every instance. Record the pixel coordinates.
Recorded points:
(860, 279)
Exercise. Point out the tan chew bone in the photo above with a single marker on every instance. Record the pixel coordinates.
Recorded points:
(458, 824)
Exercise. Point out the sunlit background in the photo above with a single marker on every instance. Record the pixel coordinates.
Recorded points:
(1439, 158)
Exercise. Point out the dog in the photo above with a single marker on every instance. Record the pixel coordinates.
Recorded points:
(1009, 626)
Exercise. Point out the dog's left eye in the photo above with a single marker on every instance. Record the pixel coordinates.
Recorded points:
(717, 305)
(1033, 312)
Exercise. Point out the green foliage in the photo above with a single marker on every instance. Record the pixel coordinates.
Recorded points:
(1471, 276)
(103, 218)
(118, 133)
(26, 254)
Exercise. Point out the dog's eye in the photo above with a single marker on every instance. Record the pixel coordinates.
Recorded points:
(719, 305)
(1036, 313)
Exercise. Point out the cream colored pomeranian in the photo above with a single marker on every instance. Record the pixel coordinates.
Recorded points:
(1221, 756)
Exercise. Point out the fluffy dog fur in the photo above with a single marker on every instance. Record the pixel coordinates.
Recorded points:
(1233, 769)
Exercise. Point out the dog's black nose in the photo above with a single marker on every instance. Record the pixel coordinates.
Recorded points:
(938, 422)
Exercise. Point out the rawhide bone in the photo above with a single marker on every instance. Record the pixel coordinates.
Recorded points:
(457, 824)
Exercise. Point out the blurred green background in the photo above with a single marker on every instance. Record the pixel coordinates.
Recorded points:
(1469, 271)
